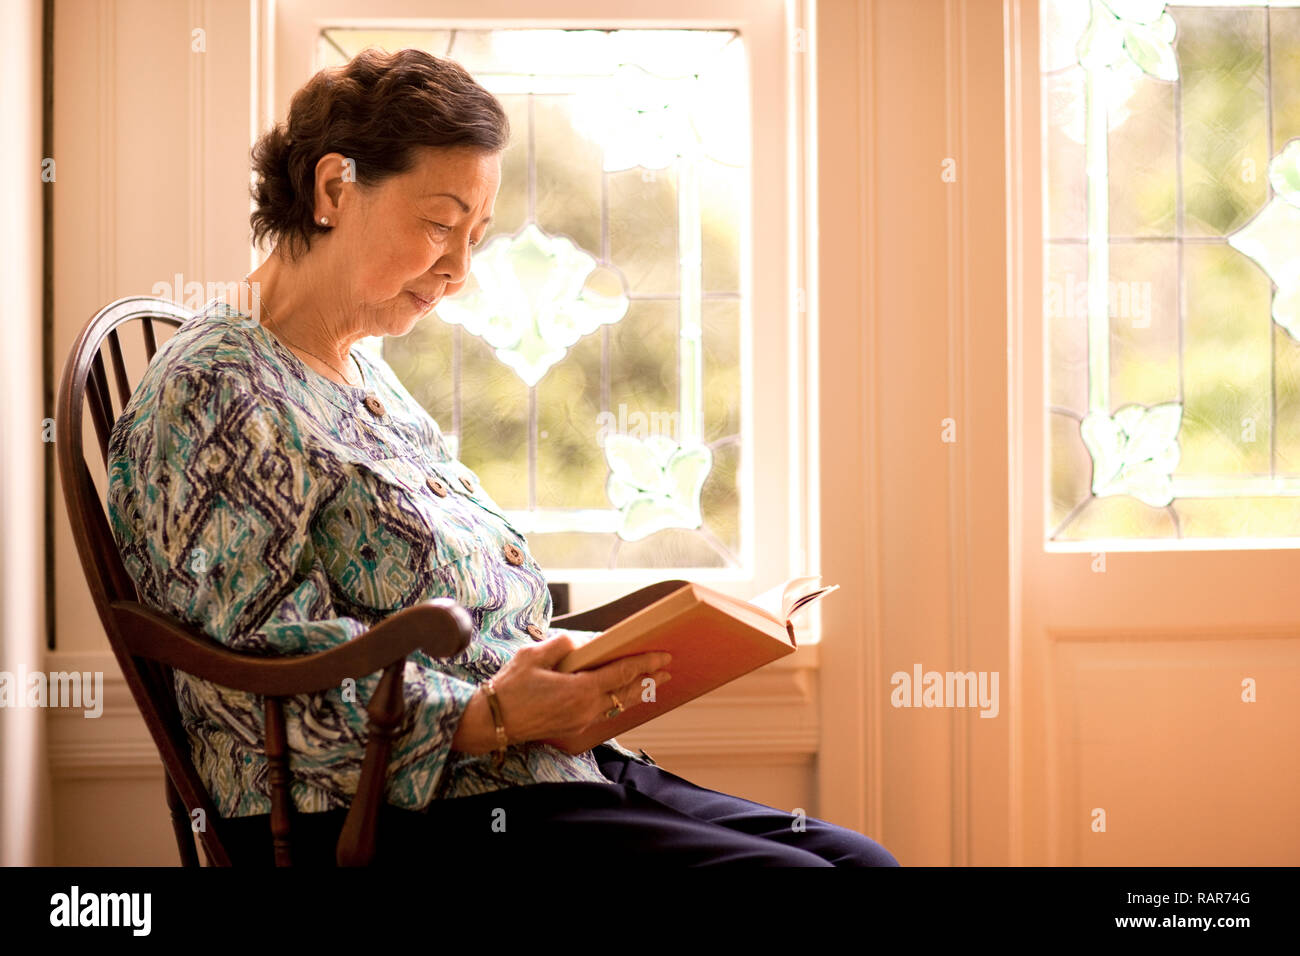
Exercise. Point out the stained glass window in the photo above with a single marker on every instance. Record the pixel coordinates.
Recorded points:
(590, 369)
(1171, 185)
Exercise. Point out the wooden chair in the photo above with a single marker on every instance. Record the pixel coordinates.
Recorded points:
(149, 644)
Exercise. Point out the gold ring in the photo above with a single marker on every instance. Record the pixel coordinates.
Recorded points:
(617, 708)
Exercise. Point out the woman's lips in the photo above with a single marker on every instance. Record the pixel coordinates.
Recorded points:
(424, 304)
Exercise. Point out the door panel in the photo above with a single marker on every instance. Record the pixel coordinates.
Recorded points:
(1137, 740)
(1121, 672)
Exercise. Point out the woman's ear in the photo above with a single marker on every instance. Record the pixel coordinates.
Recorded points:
(332, 170)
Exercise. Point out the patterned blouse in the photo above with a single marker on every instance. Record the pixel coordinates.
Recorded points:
(283, 513)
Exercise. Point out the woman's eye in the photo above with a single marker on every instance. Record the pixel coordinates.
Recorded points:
(446, 229)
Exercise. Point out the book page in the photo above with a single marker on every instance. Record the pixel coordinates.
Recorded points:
(805, 599)
(771, 600)
(789, 596)
(579, 637)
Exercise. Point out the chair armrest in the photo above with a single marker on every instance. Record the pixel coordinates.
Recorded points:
(607, 615)
(440, 627)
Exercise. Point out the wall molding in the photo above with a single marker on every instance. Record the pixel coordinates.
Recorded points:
(1173, 635)
(106, 137)
(911, 264)
(960, 334)
(196, 135)
(766, 718)
(115, 745)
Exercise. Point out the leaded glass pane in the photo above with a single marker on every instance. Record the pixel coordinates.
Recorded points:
(1286, 352)
(1284, 49)
(1171, 184)
(643, 228)
(1118, 516)
(590, 369)
(1071, 470)
(721, 207)
(1065, 311)
(1143, 165)
(511, 211)
(721, 323)
(1227, 406)
(570, 466)
(493, 422)
(675, 548)
(568, 174)
(1143, 307)
(426, 366)
(643, 370)
(1226, 518)
(718, 500)
(1064, 179)
(1224, 81)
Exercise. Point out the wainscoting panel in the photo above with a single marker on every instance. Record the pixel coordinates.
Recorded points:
(1157, 754)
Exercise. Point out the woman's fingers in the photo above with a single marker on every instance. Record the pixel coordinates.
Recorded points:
(619, 673)
(549, 704)
(548, 653)
(632, 679)
(642, 690)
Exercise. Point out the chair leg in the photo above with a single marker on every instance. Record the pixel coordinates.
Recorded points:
(277, 759)
(356, 845)
(180, 824)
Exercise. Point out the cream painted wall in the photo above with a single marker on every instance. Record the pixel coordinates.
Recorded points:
(913, 333)
(152, 141)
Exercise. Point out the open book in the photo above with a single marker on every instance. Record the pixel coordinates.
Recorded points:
(713, 639)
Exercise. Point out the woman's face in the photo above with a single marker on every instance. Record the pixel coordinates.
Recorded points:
(402, 245)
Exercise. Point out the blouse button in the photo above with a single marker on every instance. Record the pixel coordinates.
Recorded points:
(469, 485)
(374, 406)
(514, 555)
(535, 632)
(436, 486)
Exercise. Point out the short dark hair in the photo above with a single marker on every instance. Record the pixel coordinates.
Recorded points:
(377, 109)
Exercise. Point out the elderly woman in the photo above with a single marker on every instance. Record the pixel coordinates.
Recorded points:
(284, 492)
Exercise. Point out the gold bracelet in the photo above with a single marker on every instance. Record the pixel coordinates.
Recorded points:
(499, 754)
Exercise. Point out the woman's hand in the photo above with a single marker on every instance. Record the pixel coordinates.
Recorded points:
(539, 703)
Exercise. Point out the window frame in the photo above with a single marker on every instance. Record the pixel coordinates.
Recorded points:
(777, 317)
(1234, 489)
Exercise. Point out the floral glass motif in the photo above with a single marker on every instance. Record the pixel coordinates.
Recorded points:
(1272, 239)
(1172, 187)
(655, 482)
(531, 296)
(621, 210)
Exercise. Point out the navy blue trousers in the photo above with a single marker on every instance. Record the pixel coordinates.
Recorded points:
(652, 816)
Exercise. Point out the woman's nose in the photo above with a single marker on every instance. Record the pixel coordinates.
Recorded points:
(454, 264)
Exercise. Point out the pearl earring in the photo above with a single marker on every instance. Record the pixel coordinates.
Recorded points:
(324, 221)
